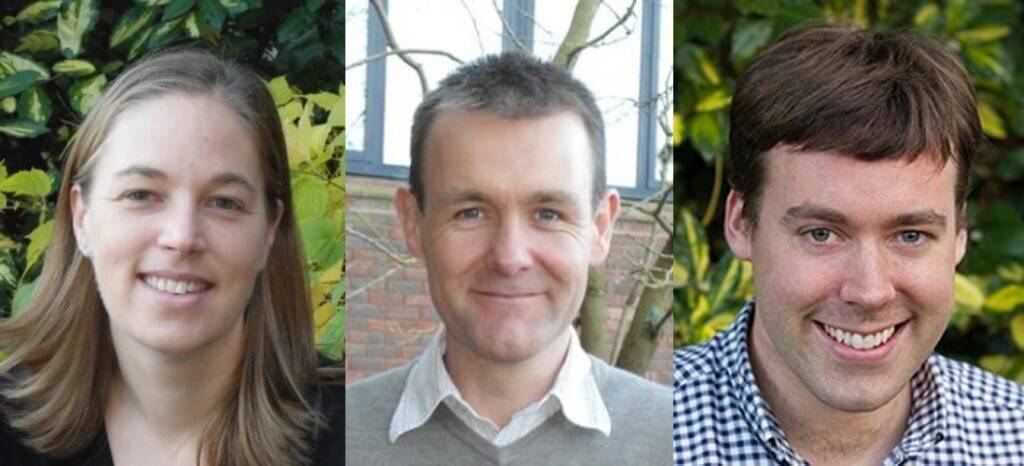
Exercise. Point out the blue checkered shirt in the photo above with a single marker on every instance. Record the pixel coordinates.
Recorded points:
(961, 415)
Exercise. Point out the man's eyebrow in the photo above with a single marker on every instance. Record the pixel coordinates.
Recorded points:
(924, 217)
(553, 196)
(460, 195)
(809, 211)
(154, 173)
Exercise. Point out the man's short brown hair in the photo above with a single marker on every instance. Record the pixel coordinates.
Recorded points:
(868, 94)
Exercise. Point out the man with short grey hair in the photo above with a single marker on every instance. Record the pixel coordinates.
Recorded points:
(508, 209)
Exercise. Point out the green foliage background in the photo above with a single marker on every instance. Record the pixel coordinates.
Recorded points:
(56, 57)
(714, 41)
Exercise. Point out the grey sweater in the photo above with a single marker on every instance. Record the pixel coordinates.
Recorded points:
(640, 411)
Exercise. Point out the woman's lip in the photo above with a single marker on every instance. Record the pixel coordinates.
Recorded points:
(490, 294)
(871, 356)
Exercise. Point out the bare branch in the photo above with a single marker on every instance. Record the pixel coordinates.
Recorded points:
(569, 50)
(472, 19)
(393, 44)
(386, 53)
(372, 283)
(508, 29)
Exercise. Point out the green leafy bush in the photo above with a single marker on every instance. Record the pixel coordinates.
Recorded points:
(716, 39)
(57, 56)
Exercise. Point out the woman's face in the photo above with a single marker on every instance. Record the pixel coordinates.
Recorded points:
(175, 223)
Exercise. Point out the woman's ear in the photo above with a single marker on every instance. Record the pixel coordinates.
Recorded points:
(78, 210)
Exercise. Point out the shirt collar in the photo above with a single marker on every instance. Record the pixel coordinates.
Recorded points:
(429, 384)
(928, 422)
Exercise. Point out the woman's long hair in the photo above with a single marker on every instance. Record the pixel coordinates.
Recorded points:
(59, 347)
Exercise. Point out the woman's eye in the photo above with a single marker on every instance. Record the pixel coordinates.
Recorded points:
(225, 203)
(140, 196)
(472, 213)
(820, 235)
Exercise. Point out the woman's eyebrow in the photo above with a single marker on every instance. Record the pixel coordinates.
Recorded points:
(220, 179)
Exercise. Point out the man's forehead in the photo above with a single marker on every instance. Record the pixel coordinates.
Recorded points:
(876, 189)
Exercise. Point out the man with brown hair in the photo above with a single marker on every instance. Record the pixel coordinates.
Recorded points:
(850, 153)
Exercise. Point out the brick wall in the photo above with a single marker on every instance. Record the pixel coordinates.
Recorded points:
(392, 319)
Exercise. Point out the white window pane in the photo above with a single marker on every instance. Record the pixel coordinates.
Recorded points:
(665, 73)
(470, 29)
(611, 71)
(356, 15)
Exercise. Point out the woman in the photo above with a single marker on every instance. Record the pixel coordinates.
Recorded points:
(171, 323)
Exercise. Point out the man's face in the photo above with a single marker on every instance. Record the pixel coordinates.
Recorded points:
(853, 270)
(507, 232)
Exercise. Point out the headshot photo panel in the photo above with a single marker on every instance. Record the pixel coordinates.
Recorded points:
(847, 286)
(171, 274)
(508, 256)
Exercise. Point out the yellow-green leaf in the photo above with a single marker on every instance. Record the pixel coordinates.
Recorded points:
(677, 129)
(1006, 298)
(719, 98)
(279, 90)
(969, 297)
(926, 14)
(1017, 330)
(38, 12)
(131, 23)
(983, 34)
(76, 19)
(35, 105)
(22, 128)
(9, 104)
(77, 68)
(325, 100)
(708, 69)
(1012, 272)
(37, 242)
(11, 63)
(991, 122)
(290, 111)
(32, 182)
(38, 41)
(679, 274)
(191, 26)
(86, 92)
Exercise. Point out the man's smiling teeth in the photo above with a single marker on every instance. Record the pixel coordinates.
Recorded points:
(857, 340)
(174, 286)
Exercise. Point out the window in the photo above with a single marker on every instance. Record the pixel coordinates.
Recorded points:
(629, 72)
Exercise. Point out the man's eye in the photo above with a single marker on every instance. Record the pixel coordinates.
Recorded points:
(468, 214)
(225, 203)
(548, 215)
(912, 237)
(820, 235)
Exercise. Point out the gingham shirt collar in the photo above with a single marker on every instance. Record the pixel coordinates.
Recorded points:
(940, 409)
(574, 392)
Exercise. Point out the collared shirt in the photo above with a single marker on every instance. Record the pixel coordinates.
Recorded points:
(574, 392)
(960, 415)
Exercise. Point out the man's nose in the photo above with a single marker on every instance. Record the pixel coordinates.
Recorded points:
(181, 230)
(511, 248)
(868, 279)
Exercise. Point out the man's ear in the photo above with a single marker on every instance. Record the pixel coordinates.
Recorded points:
(738, 231)
(409, 214)
(78, 208)
(272, 233)
(604, 222)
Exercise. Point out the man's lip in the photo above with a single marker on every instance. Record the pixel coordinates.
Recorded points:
(508, 295)
(177, 276)
(876, 329)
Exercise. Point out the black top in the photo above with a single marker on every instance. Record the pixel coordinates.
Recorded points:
(329, 447)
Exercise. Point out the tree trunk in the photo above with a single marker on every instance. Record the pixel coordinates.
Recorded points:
(577, 35)
(652, 313)
(592, 315)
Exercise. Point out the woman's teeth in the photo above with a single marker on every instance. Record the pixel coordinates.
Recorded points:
(175, 286)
